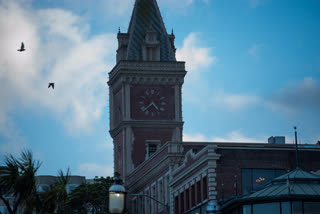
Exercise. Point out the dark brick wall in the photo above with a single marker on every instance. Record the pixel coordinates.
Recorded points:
(117, 111)
(143, 134)
(118, 153)
(233, 160)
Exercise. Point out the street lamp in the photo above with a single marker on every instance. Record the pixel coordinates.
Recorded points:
(117, 196)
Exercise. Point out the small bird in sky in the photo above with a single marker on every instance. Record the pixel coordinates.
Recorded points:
(51, 84)
(21, 48)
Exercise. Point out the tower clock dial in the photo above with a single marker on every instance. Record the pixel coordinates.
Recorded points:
(152, 103)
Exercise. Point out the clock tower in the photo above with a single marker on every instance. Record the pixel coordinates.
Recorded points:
(145, 89)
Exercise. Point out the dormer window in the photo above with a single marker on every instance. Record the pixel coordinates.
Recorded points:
(151, 46)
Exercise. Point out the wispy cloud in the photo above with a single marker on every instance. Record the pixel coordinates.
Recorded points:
(235, 102)
(118, 8)
(90, 170)
(234, 136)
(195, 54)
(302, 96)
(58, 50)
(205, 98)
(174, 4)
(237, 136)
(197, 137)
(103, 8)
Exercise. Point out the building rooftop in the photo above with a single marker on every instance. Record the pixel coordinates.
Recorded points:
(295, 185)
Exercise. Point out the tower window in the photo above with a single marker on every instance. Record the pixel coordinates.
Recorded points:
(151, 147)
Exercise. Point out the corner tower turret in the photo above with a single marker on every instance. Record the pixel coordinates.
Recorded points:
(145, 89)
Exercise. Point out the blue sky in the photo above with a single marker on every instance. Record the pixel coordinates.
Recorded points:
(253, 72)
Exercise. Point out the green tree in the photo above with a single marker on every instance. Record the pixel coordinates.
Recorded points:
(90, 197)
(60, 188)
(53, 198)
(17, 179)
(45, 202)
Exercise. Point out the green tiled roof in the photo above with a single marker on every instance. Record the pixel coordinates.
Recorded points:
(297, 174)
(145, 14)
(295, 185)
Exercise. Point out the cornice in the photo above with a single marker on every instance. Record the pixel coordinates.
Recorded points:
(145, 124)
(157, 168)
(202, 159)
(150, 174)
(254, 146)
(147, 72)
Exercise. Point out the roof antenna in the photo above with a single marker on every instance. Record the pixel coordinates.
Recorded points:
(119, 30)
(297, 154)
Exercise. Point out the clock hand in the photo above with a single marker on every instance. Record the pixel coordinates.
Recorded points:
(155, 105)
(145, 108)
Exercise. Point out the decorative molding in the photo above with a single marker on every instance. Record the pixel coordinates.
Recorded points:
(150, 65)
(147, 73)
(203, 162)
(148, 174)
(181, 190)
(145, 124)
(193, 156)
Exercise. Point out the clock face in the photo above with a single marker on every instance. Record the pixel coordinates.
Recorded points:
(152, 103)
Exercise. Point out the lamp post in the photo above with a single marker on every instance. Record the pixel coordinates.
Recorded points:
(117, 197)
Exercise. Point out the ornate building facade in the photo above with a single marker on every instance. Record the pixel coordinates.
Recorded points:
(146, 126)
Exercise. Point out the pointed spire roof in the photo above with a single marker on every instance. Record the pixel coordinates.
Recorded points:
(146, 13)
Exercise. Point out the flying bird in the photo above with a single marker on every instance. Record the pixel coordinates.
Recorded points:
(21, 48)
(51, 84)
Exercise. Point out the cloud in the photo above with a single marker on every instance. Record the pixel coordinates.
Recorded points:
(237, 136)
(58, 50)
(234, 102)
(90, 170)
(115, 8)
(290, 100)
(194, 54)
(103, 8)
(302, 96)
(234, 136)
(13, 144)
(205, 98)
(194, 137)
(174, 4)
(254, 49)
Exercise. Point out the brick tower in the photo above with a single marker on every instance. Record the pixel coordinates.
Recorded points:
(145, 89)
